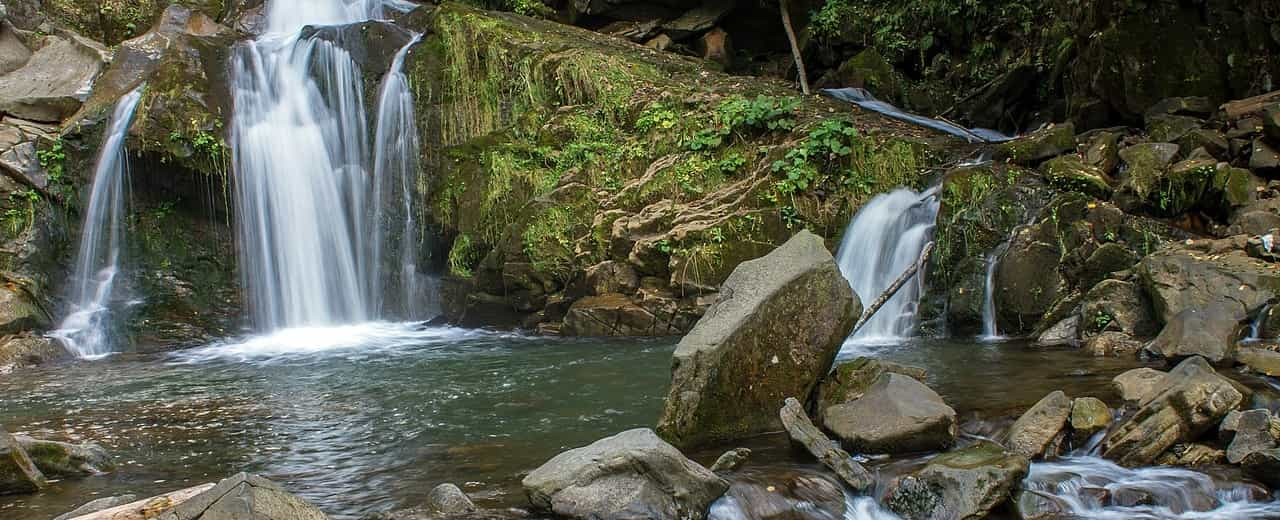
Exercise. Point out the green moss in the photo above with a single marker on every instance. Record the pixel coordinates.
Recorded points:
(462, 257)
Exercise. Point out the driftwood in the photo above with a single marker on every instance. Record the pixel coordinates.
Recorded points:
(795, 47)
(1242, 107)
(894, 288)
(148, 507)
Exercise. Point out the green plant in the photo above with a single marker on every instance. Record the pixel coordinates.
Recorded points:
(53, 159)
(731, 163)
(657, 116)
(462, 256)
(739, 115)
(790, 216)
(1101, 319)
(824, 146)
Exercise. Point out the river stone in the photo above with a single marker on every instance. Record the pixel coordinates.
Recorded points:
(244, 497)
(848, 381)
(1252, 433)
(28, 350)
(609, 315)
(1259, 360)
(762, 341)
(1070, 172)
(448, 499)
(790, 494)
(1192, 400)
(13, 52)
(94, 506)
(1089, 415)
(1264, 465)
(1033, 434)
(18, 474)
(1117, 305)
(966, 483)
(633, 474)
(803, 432)
(54, 81)
(1178, 279)
(1112, 343)
(1140, 385)
(20, 312)
(1065, 332)
(612, 277)
(1210, 332)
(896, 415)
(1146, 164)
(731, 460)
(1049, 142)
(61, 459)
(1191, 454)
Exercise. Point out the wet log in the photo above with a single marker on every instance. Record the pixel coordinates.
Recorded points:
(147, 508)
(894, 288)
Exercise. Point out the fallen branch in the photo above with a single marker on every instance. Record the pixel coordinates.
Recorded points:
(1244, 107)
(795, 47)
(893, 289)
(147, 507)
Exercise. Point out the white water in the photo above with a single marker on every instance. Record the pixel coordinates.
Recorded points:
(990, 325)
(883, 240)
(310, 237)
(84, 330)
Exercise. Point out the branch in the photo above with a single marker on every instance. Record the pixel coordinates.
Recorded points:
(893, 289)
(795, 47)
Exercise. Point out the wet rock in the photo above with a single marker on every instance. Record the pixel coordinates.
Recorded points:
(1140, 385)
(1119, 306)
(54, 81)
(27, 350)
(786, 495)
(1049, 142)
(761, 342)
(803, 432)
(610, 315)
(1065, 332)
(612, 277)
(731, 460)
(1089, 415)
(633, 474)
(20, 310)
(1070, 172)
(1112, 344)
(94, 506)
(1168, 128)
(1192, 399)
(448, 499)
(966, 483)
(1263, 157)
(1189, 454)
(1261, 361)
(244, 496)
(1264, 247)
(1177, 278)
(1034, 434)
(1102, 150)
(1252, 433)
(848, 381)
(61, 459)
(18, 474)
(1210, 332)
(1264, 465)
(1028, 280)
(896, 415)
(1192, 106)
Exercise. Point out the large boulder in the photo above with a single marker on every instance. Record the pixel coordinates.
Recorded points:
(93, 506)
(1192, 399)
(54, 81)
(849, 380)
(244, 496)
(1210, 331)
(612, 315)
(448, 499)
(762, 341)
(896, 415)
(1140, 385)
(633, 474)
(20, 310)
(803, 432)
(62, 459)
(1089, 415)
(1039, 432)
(18, 474)
(28, 350)
(966, 483)
(1119, 306)
(1252, 433)
(1264, 465)
(1179, 278)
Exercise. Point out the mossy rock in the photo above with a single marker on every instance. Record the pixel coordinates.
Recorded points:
(1046, 143)
(113, 21)
(1069, 172)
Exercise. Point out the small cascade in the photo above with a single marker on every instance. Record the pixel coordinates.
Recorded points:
(883, 240)
(1255, 327)
(84, 330)
(990, 327)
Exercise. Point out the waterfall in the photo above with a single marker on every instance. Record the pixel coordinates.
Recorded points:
(83, 331)
(308, 226)
(990, 328)
(883, 240)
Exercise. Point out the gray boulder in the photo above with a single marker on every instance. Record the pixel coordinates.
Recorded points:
(762, 341)
(633, 474)
(1140, 385)
(1178, 278)
(791, 494)
(896, 415)
(1252, 433)
(54, 81)
(1089, 415)
(1039, 432)
(1210, 332)
(62, 459)
(803, 432)
(1117, 306)
(731, 460)
(1261, 361)
(1192, 399)
(18, 474)
(849, 380)
(448, 499)
(244, 497)
(966, 483)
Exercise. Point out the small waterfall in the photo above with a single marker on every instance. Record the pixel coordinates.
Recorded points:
(308, 220)
(84, 330)
(1255, 326)
(883, 240)
(990, 328)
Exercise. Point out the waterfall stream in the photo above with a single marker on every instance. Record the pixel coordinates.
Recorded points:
(883, 240)
(84, 331)
(990, 325)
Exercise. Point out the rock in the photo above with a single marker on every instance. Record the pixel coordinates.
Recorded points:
(1112, 344)
(61, 459)
(20, 311)
(1089, 415)
(28, 350)
(1190, 454)
(1177, 279)
(731, 460)
(1252, 433)
(698, 19)
(1102, 151)
(1210, 332)
(1065, 332)
(896, 415)
(1194, 106)
(1262, 157)
(633, 474)
(94, 506)
(803, 432)
(1271, 122)
(848, 381)
(1146, 165)
(782, 495)
(1108, 258)
(1042, 144)
(1168, 128)
(54, 81)
(1235, 187)
(610, 277)
(448, 499)
(716, 46)
(1264, 247)
(1212, 142)
(1261, 361)
(1264, 465)
(1027, 280)
(1119, 306)
(660, 42)
(967, 483)
(1140, 385)
(18, 474)
(761, 342)
(611, 315)
(244, 496)
(1034, 434)
(1193, 399)
(13, 52)
(1070, 172)
(636, 31)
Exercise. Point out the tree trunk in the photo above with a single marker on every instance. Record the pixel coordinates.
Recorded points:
(795, 47)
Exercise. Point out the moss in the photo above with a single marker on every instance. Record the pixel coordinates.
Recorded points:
(113, 21)
(462, 257)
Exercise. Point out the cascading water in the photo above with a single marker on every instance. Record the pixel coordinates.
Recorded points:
(990, 326)
(309, 233)
(84, 330)
(883, 240)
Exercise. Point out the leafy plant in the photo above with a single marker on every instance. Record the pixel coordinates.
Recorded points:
(53, 160)
(739, 115)
(802, 166)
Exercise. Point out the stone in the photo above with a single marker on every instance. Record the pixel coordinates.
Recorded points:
(93, 506)
(1111, 344)
(1027, 280)
(791, 494)
(1192, 399)
(1089, 415)
(18, 474)
(247, 497)
(1108, 258)
(1102, 151)
(1177, 278)
(13, 52)
(803, 432)
(1213, 142)
(1034, 434)
(54, 81)
(1264, 465)
(1235, 187)
(698, 20)
(1042, 144)
(1252, 433)
(1070, 172)
(762, 341)
(1261, 361)
(62, 459)
(966, 483)
(1190, 454)
(1271, 122)
(633, 474)
(1168, 128)
(897, 414)
(1065, 332)
(1263, 157)
(27, 350)
(716, 46)
(20, 310)
(1119, 306)
(731, 460)
(849, 380)
(610, 315)
(1210, 332)
(448, 499)
(610, 277)
(660, 42)
(1194, 105)
(1264, 247)
(1145, 166)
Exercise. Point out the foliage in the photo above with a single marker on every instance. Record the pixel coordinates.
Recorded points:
(462, 256)
(53, 159)
(824, 146)
(740, 116)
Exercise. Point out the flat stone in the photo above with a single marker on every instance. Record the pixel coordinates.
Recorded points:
(1032, 434)
(896, 415)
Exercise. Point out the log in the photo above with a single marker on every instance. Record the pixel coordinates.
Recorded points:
(795, 47)
(147, 508)
(1244, 107)
(894, 288)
